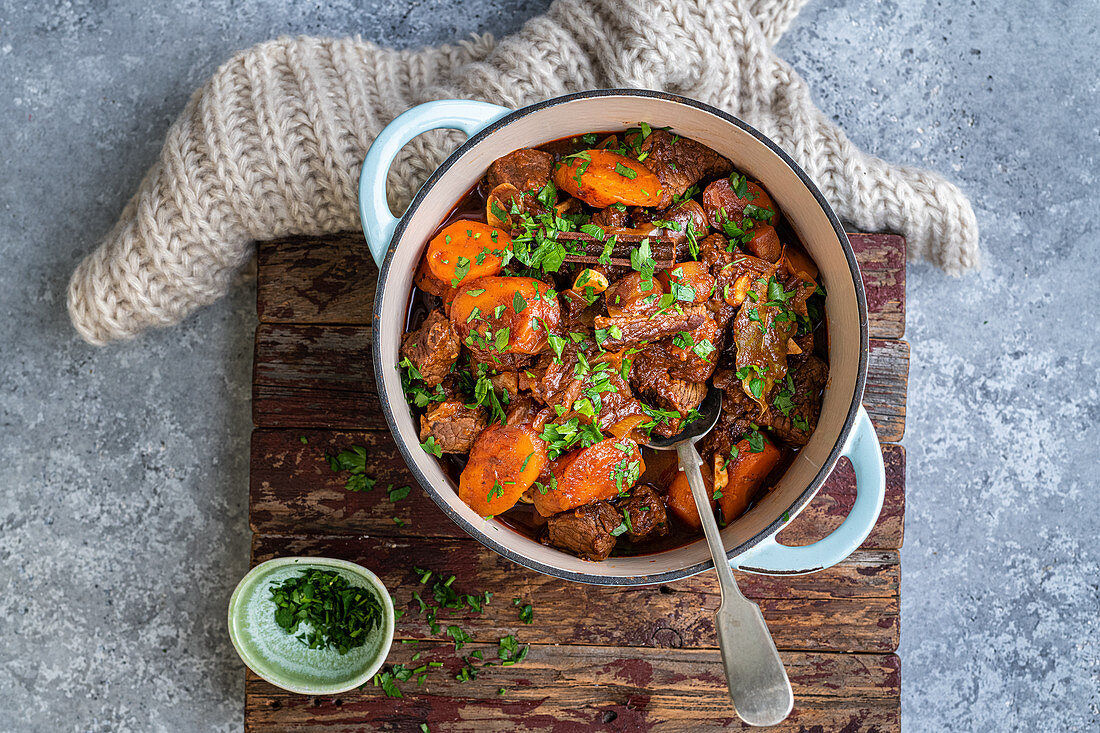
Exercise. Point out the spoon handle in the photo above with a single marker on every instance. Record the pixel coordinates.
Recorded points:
(757, 681)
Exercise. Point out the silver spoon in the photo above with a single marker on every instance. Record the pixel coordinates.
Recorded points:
(757, 681)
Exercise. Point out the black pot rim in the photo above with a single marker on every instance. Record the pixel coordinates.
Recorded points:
(807, 494)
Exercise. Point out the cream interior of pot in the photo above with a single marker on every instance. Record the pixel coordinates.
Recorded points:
(750, 156)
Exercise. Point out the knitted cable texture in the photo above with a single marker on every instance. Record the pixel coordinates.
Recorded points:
(272, 144)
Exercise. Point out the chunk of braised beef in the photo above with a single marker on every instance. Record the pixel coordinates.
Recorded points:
(646, 510)
(714, 251)
(433, 348)
(576, 311)
(721, 203)
(632, 329)
(794, 412)
(584, 531)
(679, 162)
(649, 376)
(616, 400)
(524, 410)
(561, 385)
(739, 413)
(500, 362)
(527, 169)
(612, 216)
(553, 380)
(453, 425)
(693, 355)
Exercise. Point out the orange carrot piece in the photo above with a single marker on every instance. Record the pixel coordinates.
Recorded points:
(601, 178)
(682, 503)
(524, 306)
(467, 250)
(504, 461)
(746, 475)
(601, 471)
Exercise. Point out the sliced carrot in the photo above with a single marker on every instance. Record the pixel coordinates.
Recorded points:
(601, 471)
(504, 461)
(467, 250)
(601, 178)
(682, 503)
(505, 315)
(746, 474)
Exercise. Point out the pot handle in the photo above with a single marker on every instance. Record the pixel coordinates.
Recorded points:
(466, 115)
(863, 450)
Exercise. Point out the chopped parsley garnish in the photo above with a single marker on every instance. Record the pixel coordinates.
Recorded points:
(740, 185)
(641, 259)
(624, 526)
(462, 269)
(526, 611)
(626, 172)
(509, 651)
(338, 615)
(354, 461)
(416, 392)
(432, 446)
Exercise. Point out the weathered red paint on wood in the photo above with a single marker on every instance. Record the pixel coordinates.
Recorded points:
(582, 688)
(881, 260)
(851, 607)
(614, 667)
(294, 491)
(330, 280)
(322, 377)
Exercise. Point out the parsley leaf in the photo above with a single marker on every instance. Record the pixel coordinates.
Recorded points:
(625, 172)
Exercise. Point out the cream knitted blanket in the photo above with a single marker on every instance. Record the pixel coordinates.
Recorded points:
(271, 145)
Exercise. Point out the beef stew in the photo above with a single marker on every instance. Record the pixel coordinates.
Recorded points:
(582, 297)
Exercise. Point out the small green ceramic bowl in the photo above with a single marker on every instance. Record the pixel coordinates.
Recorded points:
(279, 657)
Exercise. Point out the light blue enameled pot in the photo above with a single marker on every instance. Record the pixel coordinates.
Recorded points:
(844, 430)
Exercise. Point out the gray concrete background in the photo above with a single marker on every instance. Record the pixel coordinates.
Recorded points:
(123, 470)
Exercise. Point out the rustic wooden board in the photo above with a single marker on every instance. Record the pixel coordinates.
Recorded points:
(612, 667)
(574, 688)
(294, 491)
(851, 607)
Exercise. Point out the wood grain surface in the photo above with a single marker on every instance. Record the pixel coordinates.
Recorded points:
(601, 658)
(581, 688)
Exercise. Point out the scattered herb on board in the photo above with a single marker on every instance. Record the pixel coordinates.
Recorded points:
(354, 461)
(453, 601)
(526, 611)
(511, 651)
(338, 614)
